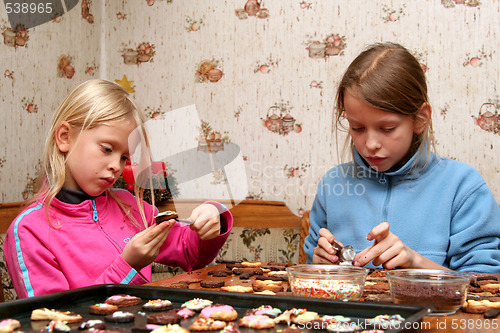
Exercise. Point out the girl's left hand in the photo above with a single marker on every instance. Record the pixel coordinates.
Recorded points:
(387, 250)
(206, 221)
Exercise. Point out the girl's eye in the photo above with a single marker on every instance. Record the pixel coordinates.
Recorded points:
(125, 158)
(388, 129)
(106, 149)
(356, 129)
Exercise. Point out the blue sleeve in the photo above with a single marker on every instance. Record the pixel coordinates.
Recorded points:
(475, 232)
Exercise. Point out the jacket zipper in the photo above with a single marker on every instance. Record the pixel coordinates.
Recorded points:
(385, 211)
(95, 217)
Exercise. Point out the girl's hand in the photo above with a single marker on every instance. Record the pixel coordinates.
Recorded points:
(324, 253)
(387, 250)
(144, 247)
(206, 219)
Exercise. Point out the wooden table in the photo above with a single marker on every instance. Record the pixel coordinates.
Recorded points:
(459, 322)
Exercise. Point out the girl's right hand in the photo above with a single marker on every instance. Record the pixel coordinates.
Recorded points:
(324, 253)
(145, 246)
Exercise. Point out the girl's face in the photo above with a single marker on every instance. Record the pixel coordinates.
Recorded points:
(97, 156)
(382, 138)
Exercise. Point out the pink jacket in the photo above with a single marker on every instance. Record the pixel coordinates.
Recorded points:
(84, 247)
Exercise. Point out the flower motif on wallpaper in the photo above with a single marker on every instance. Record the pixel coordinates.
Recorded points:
(86, 15)
(144, 52)
(17, 37)
(279, 120)
(255, 196)
(29, 105)
(444, 110)
(64, 67)
(295, 171)
(57, 19)
(252, 8)
(265, 66)
(2, 162)
(8, 74)
(420, 57)
(29, 188)
(121, 16)
(477, 60)
(152, 2)
(153, 113)
(488, 118)
(452, 3)
(91, 68)
(193, 25)
(332, 45)
(238, 112)
(208, 70)
(209, 140)
(316, 84)
(305, 5)
(392, 15)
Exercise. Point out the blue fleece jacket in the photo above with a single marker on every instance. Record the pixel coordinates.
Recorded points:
(439, 207)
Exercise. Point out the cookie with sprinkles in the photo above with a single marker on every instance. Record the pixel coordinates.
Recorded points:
(256, 321)
(196, 304)
(219, 312)
(102, 309)
(207, 324)
(122, 300)
(266, 310)
(232, 327)
(9, 325)
(57, 326)
(157, 305)
(173, 328)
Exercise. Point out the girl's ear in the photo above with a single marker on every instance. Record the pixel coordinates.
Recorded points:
(423, 118)
(63, 136)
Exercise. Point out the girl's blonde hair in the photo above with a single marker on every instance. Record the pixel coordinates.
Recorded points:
(91, 104)
(387, 77)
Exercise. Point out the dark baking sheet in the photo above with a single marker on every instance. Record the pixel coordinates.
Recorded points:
(79, 300)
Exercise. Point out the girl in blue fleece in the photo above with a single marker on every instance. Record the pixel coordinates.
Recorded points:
(397, 203)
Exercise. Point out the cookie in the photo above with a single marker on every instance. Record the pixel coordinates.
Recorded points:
(9, 325)
(471, 306)
(157, 305)
(287, 316)
(220, 272)
(305, 317)
(230, 328)
(122, 300)
(256, 321)
(164, 318)
(274, 286)
(264, 292)
(250, 270)
(144, 329)
(185, 313)
(196, 304)
(252, 264)
(219, 312)
(266, 310)
(212, 283)
(103, 309)
(120, 317)
(92, 324)
(171, 328)
(207, 324)
(237, 289)
(51, 314)
(165, 216)
(57, 326)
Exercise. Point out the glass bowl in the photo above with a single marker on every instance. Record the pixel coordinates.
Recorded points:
(327, 281)
(443, 292)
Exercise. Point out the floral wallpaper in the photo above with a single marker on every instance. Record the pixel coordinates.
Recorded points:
(261, 73)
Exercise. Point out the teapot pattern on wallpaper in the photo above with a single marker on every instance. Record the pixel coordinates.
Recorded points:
(252, 8)
(332, 45)
(279, 120)
(468, 3)
(15, 38)
(488, 118)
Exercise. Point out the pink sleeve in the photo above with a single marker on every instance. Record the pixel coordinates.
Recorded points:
(184, 248)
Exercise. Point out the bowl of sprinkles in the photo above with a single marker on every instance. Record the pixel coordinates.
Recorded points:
(327, 281)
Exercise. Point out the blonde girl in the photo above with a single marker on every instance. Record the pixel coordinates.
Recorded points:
(79, 231)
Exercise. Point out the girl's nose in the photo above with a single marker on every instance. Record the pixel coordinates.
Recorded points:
(372, 141)
(114, 165)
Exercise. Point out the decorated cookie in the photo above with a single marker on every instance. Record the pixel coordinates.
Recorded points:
(185, 313)
(287, 316)
(219, 312)
(96, 324)
(57, 326)
(51, 314)
(103, 309)
(157, 305)
(164, 318)
(175, 328)
(122, 300)
(196, 304)
(120, 317)
(256, 321)
(266, 310)
(207, 324)
(9, 325)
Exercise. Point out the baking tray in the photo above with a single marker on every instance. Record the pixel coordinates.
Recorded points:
(79, 300)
